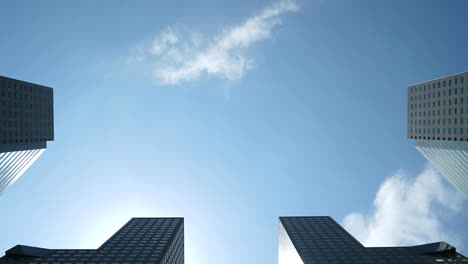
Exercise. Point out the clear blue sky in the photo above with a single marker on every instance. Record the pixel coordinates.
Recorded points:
(313, 124)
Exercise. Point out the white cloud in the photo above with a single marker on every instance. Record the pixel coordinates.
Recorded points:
(180, 56)
(164, 41)
(408, 212)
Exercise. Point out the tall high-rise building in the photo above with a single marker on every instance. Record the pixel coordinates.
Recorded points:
(320, 240)
(141, 240)
(26, 124)
(438, 122)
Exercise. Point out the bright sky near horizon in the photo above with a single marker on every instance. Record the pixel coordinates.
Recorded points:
(231, 114)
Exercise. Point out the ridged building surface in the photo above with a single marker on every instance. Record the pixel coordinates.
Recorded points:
(14, 164)
(450, 158)
(321, 240)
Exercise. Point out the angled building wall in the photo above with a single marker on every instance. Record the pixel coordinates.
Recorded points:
(141, 240)
(448, 157)
(287, 253)
(320, 240)
(14, 164)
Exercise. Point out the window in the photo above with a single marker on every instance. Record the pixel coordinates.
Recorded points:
(444, 83)
(455, 80)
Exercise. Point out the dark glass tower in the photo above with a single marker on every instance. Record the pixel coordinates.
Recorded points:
(141, 240)
(26, 124)
(320, 240)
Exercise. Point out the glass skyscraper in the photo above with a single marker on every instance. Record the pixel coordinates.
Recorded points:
(438, 122)
(140, 241)
(320, 240)
(26, 124)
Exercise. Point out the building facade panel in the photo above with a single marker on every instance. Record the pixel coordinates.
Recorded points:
(141, 240)
(437, 116)
(438, 109)
(450, 158)
(14, 164)
(287, 253)
(26, 112)
(26, 124)
(320, 240)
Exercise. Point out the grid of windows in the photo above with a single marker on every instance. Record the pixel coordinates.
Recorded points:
(26, 112)
(438, 109)
(141, 240)
(320, 240)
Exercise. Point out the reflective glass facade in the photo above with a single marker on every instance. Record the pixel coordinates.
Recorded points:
(320, 240)
(26, 124)
(141, 240)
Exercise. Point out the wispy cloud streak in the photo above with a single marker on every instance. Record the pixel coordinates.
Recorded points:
(407, 212)
(181, 56)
